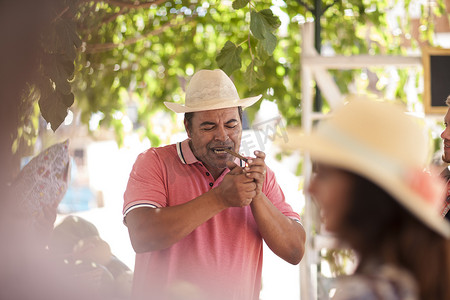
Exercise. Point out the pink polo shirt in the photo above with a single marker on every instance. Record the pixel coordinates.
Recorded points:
(222, 258)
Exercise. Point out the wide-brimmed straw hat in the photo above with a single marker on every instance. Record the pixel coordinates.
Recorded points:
(208, 90)
(378, 141)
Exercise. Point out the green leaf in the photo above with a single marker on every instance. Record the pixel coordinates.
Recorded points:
(67, 100)
(229, 58)
(260, 74)
(53, 108)
(71, 34)
(60, 70)
(53, 104)
(257, 25)
(270, 19)
(62, 38)
(269, 43)
(238, 4)
(258, 62)
(262, 24)
(250, 76)
(262, 54)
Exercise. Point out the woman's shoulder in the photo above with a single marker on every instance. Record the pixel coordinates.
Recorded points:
(381, 282)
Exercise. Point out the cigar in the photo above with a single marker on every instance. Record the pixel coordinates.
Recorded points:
(235, 154)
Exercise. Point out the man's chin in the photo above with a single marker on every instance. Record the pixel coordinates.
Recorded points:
(220, 164)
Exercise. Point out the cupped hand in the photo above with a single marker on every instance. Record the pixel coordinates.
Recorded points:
(256, 170)
(236, 189)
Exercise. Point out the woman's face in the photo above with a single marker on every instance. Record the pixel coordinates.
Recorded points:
(331, 188)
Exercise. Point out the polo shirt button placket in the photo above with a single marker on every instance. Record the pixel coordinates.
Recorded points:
(211, 184)
(207, 173)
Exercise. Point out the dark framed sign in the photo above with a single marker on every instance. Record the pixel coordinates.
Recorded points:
(436, 75)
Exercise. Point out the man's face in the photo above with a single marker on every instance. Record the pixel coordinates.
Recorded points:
(213, 130)
(445, 135)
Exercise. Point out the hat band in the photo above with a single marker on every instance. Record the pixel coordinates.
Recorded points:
(422, 183)
(200, 103)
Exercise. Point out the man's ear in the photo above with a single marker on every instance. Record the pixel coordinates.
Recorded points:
(186, 127)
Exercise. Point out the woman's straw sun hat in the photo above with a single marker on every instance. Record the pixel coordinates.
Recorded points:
(208, 90)
(378, 141)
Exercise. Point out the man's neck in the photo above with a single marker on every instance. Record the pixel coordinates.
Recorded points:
(215, 172)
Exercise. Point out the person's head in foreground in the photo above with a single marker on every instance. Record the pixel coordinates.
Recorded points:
(369, 183)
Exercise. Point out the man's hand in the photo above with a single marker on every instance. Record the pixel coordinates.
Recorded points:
(256, 170)
(236, 189)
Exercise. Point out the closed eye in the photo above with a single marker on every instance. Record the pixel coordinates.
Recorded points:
(231, 123)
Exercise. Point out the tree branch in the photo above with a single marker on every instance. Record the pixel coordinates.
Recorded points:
(134, 4)
(106, 20)
(60, 14)
(306, 5)
(97, 48)
(84, 14)
(328, 6)
(113, 16)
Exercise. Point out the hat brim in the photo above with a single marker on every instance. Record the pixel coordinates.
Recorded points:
(340, 156)
(181, 108)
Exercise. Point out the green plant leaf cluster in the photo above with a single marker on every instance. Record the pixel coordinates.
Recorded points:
(50, 91)
(115, 55)
(59, 51)
(261, 41)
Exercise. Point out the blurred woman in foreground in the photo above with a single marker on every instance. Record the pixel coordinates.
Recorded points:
(373, 194)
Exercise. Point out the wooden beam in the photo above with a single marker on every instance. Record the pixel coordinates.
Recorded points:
(328, 87)
(361, 61)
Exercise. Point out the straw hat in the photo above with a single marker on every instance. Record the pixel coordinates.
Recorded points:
(210, 90)
(378, 141)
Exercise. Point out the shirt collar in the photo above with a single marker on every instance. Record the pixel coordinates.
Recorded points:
(187, 157)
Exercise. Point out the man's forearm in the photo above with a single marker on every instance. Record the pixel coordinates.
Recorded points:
(284, 236)
(153, 229)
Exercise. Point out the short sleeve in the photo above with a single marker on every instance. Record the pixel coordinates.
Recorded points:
(147, 183)
(273, 192)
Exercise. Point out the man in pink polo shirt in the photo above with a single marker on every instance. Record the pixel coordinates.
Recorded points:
(197, 215)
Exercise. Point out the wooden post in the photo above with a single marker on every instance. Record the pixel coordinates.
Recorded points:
(318, 102)
(308, 280)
